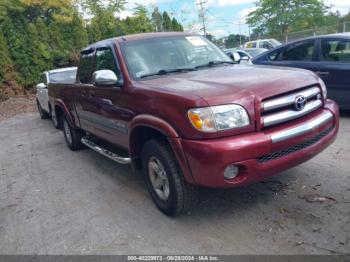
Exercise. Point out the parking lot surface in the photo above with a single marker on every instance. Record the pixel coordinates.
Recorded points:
(55, 201)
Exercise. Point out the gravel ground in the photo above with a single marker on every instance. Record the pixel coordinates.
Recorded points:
(16, 105)
(55, 201)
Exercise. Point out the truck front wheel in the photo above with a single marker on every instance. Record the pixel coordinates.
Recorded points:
(71, 135)
(165, 181)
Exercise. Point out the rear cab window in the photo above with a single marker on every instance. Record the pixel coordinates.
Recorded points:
(65, 77)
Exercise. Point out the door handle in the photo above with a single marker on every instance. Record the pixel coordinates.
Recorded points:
(324, 73)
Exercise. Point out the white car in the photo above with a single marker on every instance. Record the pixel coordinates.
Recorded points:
(63, 76)
(263, 43)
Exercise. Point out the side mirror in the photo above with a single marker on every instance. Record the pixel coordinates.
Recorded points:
(40, 86)
(245, 58)
(236, 57)
(104, 78)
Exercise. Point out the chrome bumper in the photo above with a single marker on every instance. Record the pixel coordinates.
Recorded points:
(301, 129)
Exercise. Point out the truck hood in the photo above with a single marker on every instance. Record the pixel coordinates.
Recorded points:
(233, 83)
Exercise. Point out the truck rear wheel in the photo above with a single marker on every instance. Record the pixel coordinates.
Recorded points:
(72, 136)
(165, 181)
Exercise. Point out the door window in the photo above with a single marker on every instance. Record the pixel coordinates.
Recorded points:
(335, 50)
(105, 60)
(265, 44)
(85, 68)
(301, 51)
(274, 56)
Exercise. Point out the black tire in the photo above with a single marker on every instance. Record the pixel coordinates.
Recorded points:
(43, 114)
(54, 120)
(182, 196)
(72, 136)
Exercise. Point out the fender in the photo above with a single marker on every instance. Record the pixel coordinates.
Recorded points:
(66, 112)
(167, 130)
(154, 122)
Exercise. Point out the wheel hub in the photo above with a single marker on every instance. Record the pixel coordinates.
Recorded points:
(159, 178)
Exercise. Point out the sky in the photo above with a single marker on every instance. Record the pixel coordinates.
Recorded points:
(223, 17)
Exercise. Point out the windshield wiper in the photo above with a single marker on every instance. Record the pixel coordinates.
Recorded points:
(168, 71)
(214, 63)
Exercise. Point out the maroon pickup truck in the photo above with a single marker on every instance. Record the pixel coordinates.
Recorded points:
(176, 107)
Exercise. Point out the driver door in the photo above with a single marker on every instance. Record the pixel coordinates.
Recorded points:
(110, 114)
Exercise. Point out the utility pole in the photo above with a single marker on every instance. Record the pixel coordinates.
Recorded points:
(201, 3)
(249, 32)
(240, 33)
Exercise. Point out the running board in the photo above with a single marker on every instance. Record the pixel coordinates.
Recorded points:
(105, 152)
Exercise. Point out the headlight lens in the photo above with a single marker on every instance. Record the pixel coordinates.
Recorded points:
(323, 87)
(217, 118)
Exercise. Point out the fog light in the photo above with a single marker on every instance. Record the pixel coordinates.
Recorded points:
(231, 172)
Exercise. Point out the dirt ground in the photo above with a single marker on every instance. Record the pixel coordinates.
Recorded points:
(16, 105)
(55, 201)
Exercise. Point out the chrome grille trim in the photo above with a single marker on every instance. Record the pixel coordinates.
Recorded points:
(289, 99)
(287, 115)
(295, 148)
(302, 129)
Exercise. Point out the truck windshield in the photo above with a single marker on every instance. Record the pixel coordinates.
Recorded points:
(170, 54)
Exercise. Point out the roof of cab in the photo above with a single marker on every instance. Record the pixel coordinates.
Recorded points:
(337, 35)
(134, 37)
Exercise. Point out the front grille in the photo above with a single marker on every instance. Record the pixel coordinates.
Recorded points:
(283, 108)
(295, 148)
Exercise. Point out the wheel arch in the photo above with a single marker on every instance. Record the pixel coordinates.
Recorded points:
(145, 127)
(62, 110)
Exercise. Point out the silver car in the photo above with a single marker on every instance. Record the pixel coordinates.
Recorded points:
(62, 76)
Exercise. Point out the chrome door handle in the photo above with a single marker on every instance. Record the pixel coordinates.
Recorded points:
(322, 73)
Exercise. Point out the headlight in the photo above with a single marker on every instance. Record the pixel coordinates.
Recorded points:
(217, 118)
(323, 87)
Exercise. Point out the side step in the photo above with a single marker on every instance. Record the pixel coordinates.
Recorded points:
(105, 152)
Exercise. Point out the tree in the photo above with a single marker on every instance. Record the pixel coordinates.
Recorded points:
(98, 7)
(157, 20)
(278, 17)
(167, 25)
(8, 76)
(138, 23)
(175, 25)
(234, 40)
(103, 24)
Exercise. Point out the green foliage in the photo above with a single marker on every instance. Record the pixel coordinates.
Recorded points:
(97, 7)
(6, 64)
(167, 25)
(235, 40)
(278, 17)
(157, 20)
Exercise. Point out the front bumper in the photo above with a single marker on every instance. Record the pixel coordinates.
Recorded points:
(262, 154)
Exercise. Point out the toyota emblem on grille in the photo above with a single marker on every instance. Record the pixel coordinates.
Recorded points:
(300, 102)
